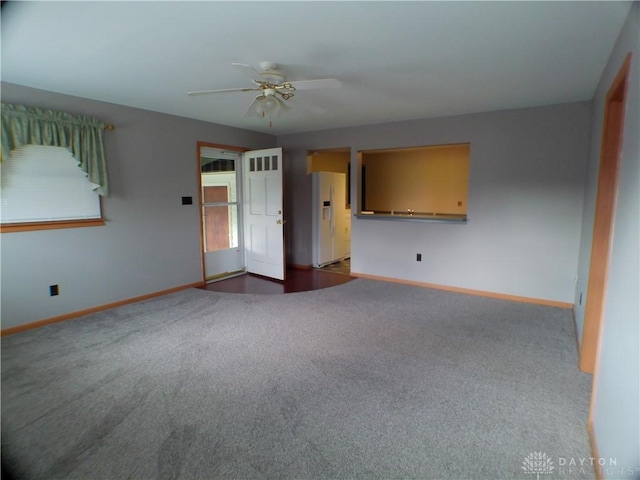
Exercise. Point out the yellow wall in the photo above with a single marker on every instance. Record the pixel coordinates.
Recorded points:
(425, 180)
(328, 162)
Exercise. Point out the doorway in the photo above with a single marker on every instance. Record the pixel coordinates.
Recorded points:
(221, 207)
(604, 217)
(242, 217)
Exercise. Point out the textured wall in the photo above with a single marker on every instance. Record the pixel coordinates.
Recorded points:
(150, 242)
(328, 162)
(526, 190)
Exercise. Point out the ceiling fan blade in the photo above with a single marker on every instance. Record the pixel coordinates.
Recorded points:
(320, 83)
(208, 92)
(249, 71)
(255, 109)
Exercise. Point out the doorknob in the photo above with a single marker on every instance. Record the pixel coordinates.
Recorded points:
(281, 222)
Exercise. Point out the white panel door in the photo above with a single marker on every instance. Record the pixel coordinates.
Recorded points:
(263, 218)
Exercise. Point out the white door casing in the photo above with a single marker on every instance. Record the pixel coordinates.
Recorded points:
(263, 212)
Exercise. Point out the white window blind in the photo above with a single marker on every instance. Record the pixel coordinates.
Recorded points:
(43, 183)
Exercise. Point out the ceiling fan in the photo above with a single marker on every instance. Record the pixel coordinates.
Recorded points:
(273, 86)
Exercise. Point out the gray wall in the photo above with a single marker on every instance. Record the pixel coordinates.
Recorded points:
(150, 242)
(525, 202)
(617, 381)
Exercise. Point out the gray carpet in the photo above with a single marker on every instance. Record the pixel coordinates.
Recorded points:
(363, 380)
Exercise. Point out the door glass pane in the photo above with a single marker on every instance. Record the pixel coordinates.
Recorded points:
(219, 203)
(220, 227)
(212, 164)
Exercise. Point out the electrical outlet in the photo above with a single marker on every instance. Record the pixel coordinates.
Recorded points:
(54, 290)
(418, 257)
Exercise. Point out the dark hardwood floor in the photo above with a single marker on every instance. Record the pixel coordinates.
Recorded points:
(296, 280)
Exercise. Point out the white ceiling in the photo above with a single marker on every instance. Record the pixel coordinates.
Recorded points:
(396, 60)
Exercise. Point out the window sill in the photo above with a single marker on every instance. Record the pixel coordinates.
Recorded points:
(415, 217)
(31, 226)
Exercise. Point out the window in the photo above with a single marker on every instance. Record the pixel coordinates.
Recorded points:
(55, 172)
(220, 204)
(43, 187)
(426, 183)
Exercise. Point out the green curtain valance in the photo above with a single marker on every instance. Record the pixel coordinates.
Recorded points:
(82, 135)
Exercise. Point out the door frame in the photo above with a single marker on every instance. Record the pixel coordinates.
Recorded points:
(605, 209)
(199, 145)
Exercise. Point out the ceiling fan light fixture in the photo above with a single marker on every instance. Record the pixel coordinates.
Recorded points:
(269, 104)
(274, 89)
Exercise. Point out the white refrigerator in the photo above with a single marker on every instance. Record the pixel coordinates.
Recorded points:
(332, 218)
